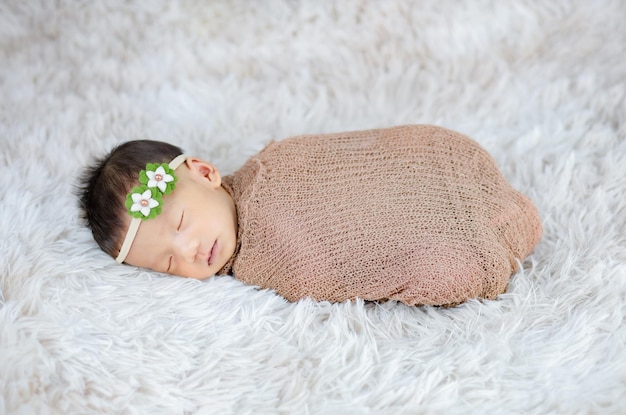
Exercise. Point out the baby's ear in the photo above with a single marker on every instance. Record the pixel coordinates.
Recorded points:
(204, 170)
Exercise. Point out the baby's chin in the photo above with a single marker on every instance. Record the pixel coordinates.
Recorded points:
(194, 277)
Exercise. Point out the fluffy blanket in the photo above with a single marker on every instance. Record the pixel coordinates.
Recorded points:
(541, 85)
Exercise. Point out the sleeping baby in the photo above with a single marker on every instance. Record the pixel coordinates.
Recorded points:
(418, 214)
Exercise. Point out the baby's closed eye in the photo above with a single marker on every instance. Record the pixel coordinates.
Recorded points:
(180, 224)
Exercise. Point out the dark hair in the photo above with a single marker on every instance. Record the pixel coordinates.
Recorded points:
(103, 188)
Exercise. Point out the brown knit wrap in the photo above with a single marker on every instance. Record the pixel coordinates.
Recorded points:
(418, 214)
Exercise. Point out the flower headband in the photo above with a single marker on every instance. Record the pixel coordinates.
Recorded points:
(146, 201)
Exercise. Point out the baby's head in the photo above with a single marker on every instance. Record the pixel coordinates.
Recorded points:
(150, 206)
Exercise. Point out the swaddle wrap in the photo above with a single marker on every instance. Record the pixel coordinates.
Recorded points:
(418, 214)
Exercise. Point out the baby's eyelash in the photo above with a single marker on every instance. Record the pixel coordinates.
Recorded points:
(169, 265)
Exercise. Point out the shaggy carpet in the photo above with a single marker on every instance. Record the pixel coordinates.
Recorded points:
(540, 84)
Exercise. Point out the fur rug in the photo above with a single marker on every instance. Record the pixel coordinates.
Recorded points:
(541, 85)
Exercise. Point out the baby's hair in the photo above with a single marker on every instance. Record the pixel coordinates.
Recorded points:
(103, 188)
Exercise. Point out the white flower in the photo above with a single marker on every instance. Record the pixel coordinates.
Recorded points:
(143, 202)
(159, 178)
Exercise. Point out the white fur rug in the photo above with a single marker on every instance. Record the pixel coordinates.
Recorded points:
(542, 85)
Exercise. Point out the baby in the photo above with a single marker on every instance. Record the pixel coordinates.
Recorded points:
(418, 214)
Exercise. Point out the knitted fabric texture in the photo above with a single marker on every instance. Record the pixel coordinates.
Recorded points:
(418, 214)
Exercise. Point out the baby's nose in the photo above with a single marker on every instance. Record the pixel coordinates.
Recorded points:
(187, 250)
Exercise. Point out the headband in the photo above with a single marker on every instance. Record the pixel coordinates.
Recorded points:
(146, 201)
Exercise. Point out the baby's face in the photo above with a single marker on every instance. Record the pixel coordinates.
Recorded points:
(195, 234)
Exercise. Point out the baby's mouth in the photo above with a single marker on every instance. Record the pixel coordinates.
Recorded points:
(213, 253)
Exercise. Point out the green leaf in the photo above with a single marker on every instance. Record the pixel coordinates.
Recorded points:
(143, 177)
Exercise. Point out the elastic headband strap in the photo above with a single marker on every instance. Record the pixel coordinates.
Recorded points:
(135, 222)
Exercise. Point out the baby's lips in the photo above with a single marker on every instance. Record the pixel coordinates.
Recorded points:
(213, 253)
